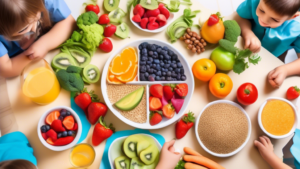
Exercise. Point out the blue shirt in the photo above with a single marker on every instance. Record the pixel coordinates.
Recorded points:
(15, 146)
(275, 40)
(58, 11)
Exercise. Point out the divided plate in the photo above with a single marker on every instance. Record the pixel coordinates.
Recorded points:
(189, 80)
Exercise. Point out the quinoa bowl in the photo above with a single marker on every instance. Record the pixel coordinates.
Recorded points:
(223, 128)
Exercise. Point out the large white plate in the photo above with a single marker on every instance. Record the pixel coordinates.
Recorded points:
(189, 80)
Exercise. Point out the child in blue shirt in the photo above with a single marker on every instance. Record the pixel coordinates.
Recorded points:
(275, 25)
(29, 30)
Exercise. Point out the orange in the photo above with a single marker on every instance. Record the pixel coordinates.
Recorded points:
(130, 75)
(111, 78)
(204, 69)
(120, 65)
(131, 56)
(212, 34)
(220, 85)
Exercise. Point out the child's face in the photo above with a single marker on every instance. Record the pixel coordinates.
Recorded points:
(268, 18)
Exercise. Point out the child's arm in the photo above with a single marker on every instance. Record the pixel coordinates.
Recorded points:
(11, 67)
(168, 157)
(8, 122)
(265, 148)
(60, 32)
(251, 40)
(277, 76)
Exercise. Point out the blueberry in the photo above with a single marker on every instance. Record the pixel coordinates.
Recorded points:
(142, 77)
(166, 66)
(151, 78)
(154, 70)
(155, 56)
(59, 135)
(169, 73)
(174, 61)
(169, 61)
(47, 127)
(140, 47)
(44, 129)
(169, 78)
(150, 53)
(183, 77)
(161, 57)
(179, 65)
(164, 70)
(64, 134)
(153, 75)
(170, 68)
(163, 52)
(174, 79)
(158, 67)
(151, 70)
(153, 65)
(177, 70)
(164, 73)
(144, 51)
(144, 44)
(165, 48)
(156, 61)
(144, 58)
(174, 65)
(158, 50)
(143, 62)
(68, 113)
(157, 78)
(148, 62)
(155, 53)
(145, 55)
(61, 118)
(148, 67)
(143, 69)
(182, 71)
(162, 64)
(146, 75)
(163, 78)
(174, 57)
(171, 53)
(70, 133)
(174, 75)
(150, 59)
(63, 112)
(178, 77)
(153, 47)
(158, 73)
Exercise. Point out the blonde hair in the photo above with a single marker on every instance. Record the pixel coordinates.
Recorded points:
(17, 164)
(16, 14)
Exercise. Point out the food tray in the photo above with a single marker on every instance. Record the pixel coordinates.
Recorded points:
(189, 80)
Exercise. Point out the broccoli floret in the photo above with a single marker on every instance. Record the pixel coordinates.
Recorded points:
(70, 79)
(228, 45)
(232, 30)
(92, 35)
(76, 36)
(87, 18)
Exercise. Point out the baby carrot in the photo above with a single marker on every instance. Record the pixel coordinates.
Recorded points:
(193, 166)
(190, 151)
(202, 161)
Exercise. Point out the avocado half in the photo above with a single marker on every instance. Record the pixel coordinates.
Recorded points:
(130, 101)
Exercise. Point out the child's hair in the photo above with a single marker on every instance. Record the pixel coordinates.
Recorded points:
(283, 7)
(17, 164)
(15, 15)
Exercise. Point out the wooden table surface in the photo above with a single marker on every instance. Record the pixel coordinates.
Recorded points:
(28, 113)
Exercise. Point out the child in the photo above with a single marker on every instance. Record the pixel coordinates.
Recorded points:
(15, 150)
(29, 30)
(273, 24)
(168, 157)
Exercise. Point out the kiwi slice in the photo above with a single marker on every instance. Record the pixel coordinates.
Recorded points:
(81, 57)
(149, 4)
(116, 15)
(91, 74)
(110, 5)
(122, 31)
(62, 61)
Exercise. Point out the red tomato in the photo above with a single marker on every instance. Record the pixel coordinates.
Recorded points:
(104, 19)
(247, 94)
(106, 45)
(92, 7)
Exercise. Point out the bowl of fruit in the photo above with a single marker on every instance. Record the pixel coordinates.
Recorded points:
(151, 16)
(59, 128)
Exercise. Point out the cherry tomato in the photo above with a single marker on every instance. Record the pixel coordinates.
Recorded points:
(109, 30)
(247, 94)
(104, 19)
(220, 85)
(92, 7)
(106, 45)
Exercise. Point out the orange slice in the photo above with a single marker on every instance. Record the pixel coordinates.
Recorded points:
(130, 75)
(119, 65)
(131, 56)
(111, 78)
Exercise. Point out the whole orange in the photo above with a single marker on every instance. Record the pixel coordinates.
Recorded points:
(212, 34)
(220, 85)
(204, 69)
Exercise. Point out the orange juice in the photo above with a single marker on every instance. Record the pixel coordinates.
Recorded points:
(41, 85)
(82, 155)
(278, 117)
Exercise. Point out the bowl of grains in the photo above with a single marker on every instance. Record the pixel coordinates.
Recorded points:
(223, 128)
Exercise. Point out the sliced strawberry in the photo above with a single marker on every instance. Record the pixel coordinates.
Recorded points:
(52, 116)
(75, 127)
(168, 111)
(168, 92)
(153, 13)
(152, 19)
(182, 89)
(69, 122)
(136, 18)
(44, 135)
(50, 141)
(213, 19)
(156, 90)
(64, 141)
(52, 134)
(138, 9)
(161, 19)
(163, 10)
(155, 118)
(57, 126)
(155, 104)
(144, 23)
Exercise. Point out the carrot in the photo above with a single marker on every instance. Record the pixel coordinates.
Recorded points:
(202, 161)
(190, 151)
(193, 166)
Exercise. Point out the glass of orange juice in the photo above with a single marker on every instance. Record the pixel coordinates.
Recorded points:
(39, 82)
(82, 155)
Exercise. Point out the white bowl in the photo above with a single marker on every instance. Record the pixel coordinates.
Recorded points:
(189, 80)
(169, 21)
(42, 122)
(116, 149)
(238, 149)
(262, 127)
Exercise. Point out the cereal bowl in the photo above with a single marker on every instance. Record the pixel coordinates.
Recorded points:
(42, 122)
(245, 117)
(293, 128)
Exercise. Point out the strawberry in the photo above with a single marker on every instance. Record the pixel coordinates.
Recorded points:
(64, 141)
(95, 111)
(85, 98)
(168, 92)
(138, 9)
(292, 93)
(50, 141)
(101, 132)
(155, 103)
(182, 89)
(214, 19)
(153, 13)
(163, 10)
(152, 25)
(155, 118)
(168, 111)
(109, 30)
(161, 19)
(51, 134)
(156, 90)
(57, 126)
(44, 135)
(92, 7)
(144, 23)
(103, 19)
(75, 127)
(69, 122)
(52, 116)
(184, 124)
(152, 19)
(136, 18)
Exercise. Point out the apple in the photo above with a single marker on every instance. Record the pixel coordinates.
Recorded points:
(223, 59)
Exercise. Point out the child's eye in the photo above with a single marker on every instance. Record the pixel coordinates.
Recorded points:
(262, 11)
(275, 20)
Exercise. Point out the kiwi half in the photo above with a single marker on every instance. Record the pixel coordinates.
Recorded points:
(82, 58)
(110, 5)
(91, 74)
(149, 4)
(122, 31)
(62, 61)
(116, 15)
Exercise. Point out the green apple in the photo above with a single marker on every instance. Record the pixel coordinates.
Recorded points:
(223, 59)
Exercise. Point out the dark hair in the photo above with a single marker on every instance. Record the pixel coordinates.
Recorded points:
(15, 15)
(283, 7)
(17, 164)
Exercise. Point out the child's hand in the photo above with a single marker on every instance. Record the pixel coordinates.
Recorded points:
(277, 76)
(265, 148)
(168, 157)
(252, 42)
(37, 50)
